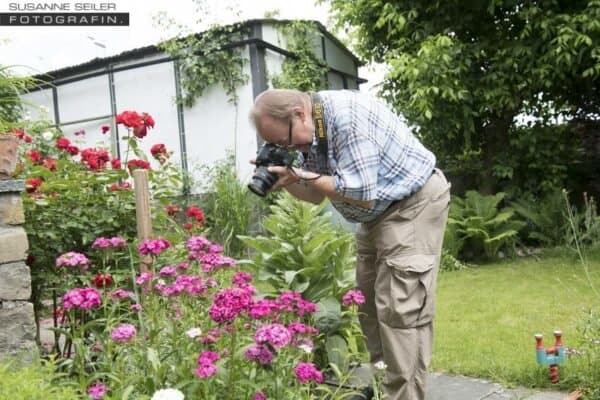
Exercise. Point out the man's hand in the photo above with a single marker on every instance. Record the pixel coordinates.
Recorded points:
(287, 176)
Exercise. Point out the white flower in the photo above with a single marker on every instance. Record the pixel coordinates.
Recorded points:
(47, 135)
(380, 366)
(306, 348)
(167, 394)
(44, 109)
(194, 332)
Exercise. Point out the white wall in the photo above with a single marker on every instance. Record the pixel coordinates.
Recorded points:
(35, 100)
(214, 126)
(150, 89)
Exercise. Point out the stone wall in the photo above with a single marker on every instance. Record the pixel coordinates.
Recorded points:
(17, 323)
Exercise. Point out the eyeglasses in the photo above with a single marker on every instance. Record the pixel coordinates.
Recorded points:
(290, 134)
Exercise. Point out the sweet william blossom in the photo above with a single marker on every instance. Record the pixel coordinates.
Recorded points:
(168, 394)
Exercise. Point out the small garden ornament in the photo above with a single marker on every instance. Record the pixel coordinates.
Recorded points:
(551, 356)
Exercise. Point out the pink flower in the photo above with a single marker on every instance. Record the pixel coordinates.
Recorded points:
(73, 259)
(97, 391)
(306, 372)
(353, 297)
(144, 277)
(259, 353)
(82, 298)
(276, 335)
(153, 246)
(135, 307)
(123, 333)
(259, 396)
(206, 366)
(229, 303)
(103, 243)
(122, 294)
(240, 278)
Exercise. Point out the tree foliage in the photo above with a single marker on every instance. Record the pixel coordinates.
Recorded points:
(464, 70)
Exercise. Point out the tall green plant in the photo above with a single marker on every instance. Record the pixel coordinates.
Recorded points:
(305, 253)
(545, 218)
(230, 207)
(484, 227)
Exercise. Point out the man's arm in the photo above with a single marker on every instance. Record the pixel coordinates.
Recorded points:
(303, 185)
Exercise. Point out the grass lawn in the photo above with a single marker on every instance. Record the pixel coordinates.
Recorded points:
(487, 316)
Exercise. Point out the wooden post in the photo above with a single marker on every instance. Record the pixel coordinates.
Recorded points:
(142, 212)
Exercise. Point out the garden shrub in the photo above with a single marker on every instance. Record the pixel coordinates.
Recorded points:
(545, 219)
(75, 195)
(480, 226)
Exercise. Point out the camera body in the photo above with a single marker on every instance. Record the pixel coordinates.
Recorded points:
(268, 155)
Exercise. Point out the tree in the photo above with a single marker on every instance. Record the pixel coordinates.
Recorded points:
(462, 71)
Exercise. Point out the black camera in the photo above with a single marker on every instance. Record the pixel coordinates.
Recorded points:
(268, 155)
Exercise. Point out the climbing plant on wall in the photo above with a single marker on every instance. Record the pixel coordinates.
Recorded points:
(208, 58)
(304, 71)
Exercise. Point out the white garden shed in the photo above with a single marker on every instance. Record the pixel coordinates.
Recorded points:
(89, 95)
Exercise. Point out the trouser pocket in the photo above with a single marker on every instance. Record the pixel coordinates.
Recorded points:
(410, 291)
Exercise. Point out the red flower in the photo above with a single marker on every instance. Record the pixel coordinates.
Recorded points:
(18, 132)
(142, 129)
(49, 163)
(130, 119)
(32, 184)
(34, 156)
(118, 187)
(137, 164)
(80, 132)
(105, 128)
(102, 280)
(96, 159)
(115, 163)
(196, 213)
(172, 209)
(158, 149)
(63, 143)
(73, 150)
(188, 226)
(27, 139)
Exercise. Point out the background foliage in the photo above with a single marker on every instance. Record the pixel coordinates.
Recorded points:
(465, 73)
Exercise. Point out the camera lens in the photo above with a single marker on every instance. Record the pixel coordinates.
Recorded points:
(262, 181)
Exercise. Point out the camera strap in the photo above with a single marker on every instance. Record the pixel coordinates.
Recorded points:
(318, 115)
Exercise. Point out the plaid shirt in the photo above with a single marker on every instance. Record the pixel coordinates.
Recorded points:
(372, 154)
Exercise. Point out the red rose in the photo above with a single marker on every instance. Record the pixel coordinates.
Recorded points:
(137, 164)
(20, 133)
(63, 143)
(32, 184)
(49, 163)
(73, 150)
(158, 149)
(115, 163)
(34, 156)
(141, 130)
(172, 209)
(27, 139)
(105, 128)
(196, 213)
(102, 280)
(130, 119)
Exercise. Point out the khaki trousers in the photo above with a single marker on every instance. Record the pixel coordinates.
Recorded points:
(397, 267)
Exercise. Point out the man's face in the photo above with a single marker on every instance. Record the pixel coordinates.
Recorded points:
(292, 135)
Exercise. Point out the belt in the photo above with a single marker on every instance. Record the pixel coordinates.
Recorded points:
(395, 202)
